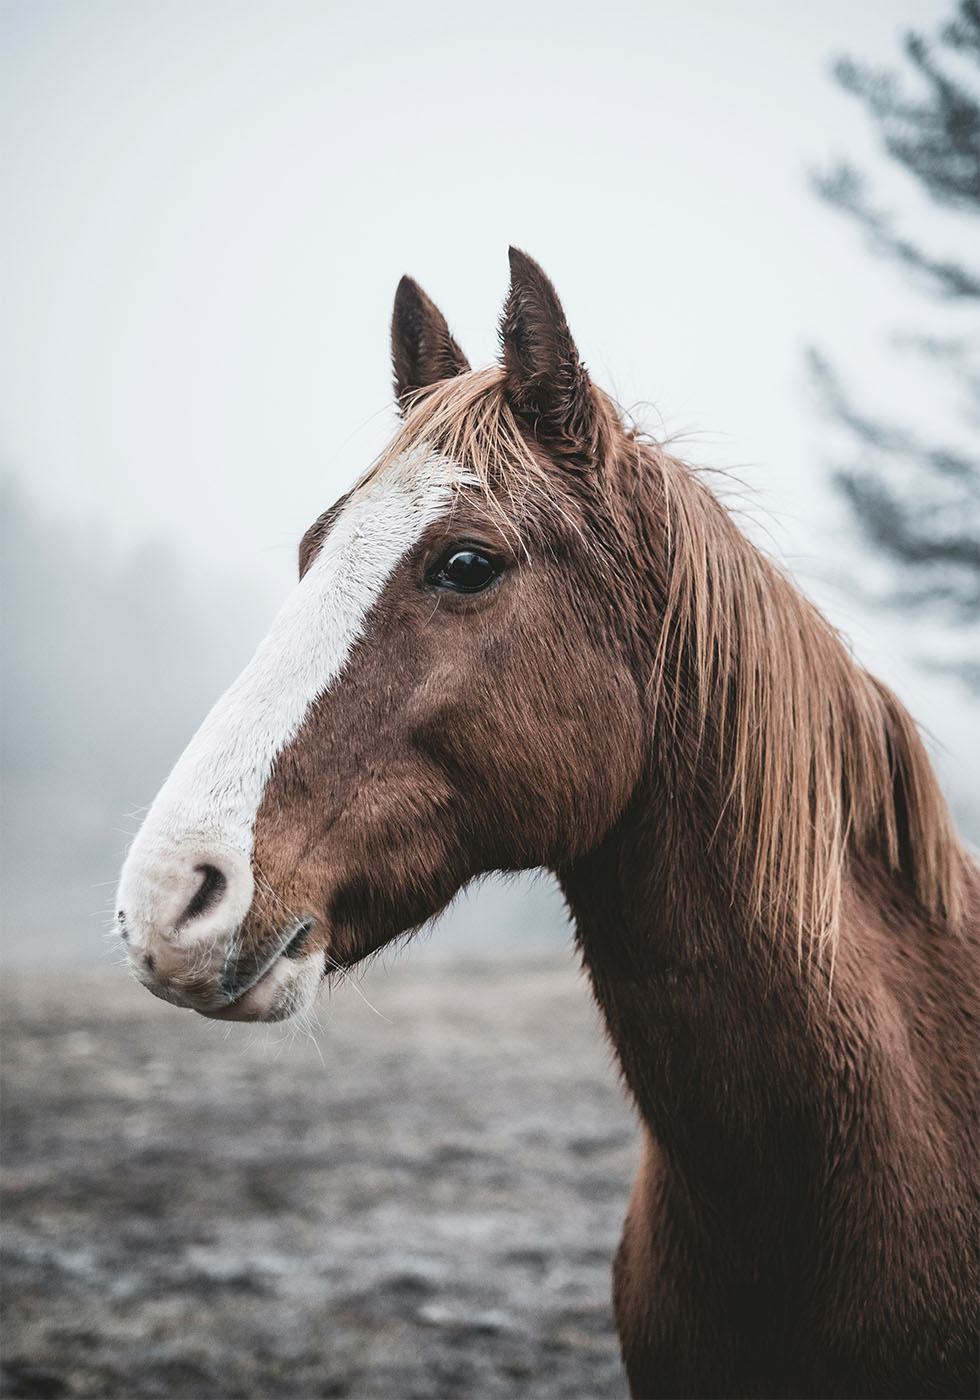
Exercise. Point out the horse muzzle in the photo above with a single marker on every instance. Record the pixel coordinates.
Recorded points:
(180, 912)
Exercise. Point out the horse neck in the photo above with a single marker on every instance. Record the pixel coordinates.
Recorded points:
(722, 1021)
(727, 1044)
(758, 1073)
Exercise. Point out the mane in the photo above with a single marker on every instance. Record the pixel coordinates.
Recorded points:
(818, 761)
(469, 421)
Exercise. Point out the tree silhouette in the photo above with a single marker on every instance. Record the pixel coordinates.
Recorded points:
(106, 671)
(918, 502)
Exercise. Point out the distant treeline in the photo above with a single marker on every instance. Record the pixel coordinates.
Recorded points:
(108, 666)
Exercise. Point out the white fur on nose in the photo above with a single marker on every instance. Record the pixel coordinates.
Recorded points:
(160, 900)
(205, 812)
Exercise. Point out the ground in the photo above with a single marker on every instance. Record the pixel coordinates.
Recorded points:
(423, 1200)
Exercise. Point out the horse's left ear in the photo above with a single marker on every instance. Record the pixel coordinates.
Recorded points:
(545, 380)
(422, 349)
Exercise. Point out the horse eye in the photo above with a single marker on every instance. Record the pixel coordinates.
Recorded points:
(464, 571)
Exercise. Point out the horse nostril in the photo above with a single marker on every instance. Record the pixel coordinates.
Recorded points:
(212, 887)
(123, 930)
(149, 962)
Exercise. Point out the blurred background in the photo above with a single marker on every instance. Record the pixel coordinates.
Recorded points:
(762, 221)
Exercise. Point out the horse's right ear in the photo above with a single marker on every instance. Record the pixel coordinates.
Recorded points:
(544, 379)
(422, 349)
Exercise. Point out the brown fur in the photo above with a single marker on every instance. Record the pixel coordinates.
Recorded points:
(779, 923)
(422, 349)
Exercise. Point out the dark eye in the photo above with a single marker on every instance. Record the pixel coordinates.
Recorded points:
(464, 571)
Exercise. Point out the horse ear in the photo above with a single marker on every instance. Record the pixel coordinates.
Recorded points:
(545, 380)
(422, 349)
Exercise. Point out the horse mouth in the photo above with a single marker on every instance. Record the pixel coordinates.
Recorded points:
(266, 991)
(298, 943)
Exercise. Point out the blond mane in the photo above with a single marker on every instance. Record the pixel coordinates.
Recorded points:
(469, 421)
(818, 761)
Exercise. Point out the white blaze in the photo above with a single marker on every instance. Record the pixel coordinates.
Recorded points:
(205, 811)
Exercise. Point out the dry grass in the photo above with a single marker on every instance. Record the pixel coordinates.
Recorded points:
(428, 1210)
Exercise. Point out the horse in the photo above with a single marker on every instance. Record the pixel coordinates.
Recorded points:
(530, 637)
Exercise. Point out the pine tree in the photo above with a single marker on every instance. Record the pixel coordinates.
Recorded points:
(916, 501)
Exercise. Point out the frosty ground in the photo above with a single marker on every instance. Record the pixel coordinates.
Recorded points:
(423, 1200)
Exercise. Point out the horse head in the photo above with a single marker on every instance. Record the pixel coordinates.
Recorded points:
(450, 689)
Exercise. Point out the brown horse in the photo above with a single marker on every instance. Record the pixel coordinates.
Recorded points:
(528, 637)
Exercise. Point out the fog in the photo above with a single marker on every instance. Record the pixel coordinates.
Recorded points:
(206, 212)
